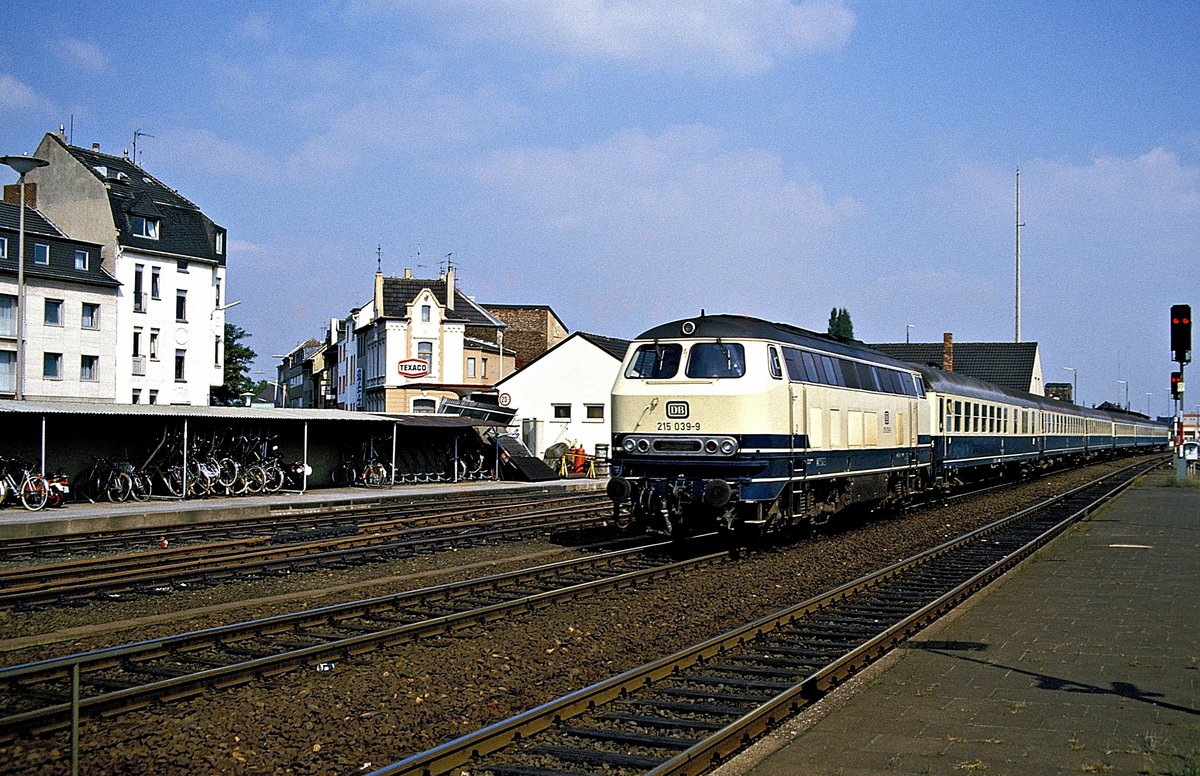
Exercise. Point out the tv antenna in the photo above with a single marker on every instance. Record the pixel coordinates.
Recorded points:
(136, 134)
(378, 259)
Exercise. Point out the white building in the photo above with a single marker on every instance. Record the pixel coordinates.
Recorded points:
(168, 257)
(565, 395)
(70, 312)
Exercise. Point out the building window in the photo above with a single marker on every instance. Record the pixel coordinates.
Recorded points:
(139, 295)
(594, 411)
(8, 315)
(90, 319)
(153, 345)
(181, 265)
(154, 396)
(8, 371)
(181, 306)
(180, 363)
(424, 405)
(217, 351)
(217, 286)
(3, 247)
(89, 369)
(52, 366)
(137, 396)
(137, 341)
(81, 260)
(54, 312)
(561, 411)
(470, 367)
(425, 353)
(425, 313)
(155, 285)
(220, 242)
(144, 227)
(483, 372)
(41, 253)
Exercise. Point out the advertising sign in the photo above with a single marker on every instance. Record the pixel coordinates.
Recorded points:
(412, 367)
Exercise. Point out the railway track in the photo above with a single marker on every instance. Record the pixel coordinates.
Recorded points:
(288, 523)
(162, 572)
(37, 697)
(687, 712)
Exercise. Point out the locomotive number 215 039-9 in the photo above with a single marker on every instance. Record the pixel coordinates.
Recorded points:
(678, 425)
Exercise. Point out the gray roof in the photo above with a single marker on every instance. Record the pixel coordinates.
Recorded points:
(398, 294)
(39, 229)
(184, 229)
(610, 345)
(1004, 364)
(8, 406)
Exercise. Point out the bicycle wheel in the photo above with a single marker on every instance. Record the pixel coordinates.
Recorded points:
(373, 475)
(142, 486)
(119, 487)
(256, 478)
(34, 492)
(228, 473)
(274, 477)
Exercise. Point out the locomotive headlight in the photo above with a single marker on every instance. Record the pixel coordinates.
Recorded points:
(629, 445)
(728, 447)
(643, 445)
(710, 446)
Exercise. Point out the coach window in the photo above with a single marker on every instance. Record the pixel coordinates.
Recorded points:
(716, 360)
(655, 362)
(775, 366)
(833, 371)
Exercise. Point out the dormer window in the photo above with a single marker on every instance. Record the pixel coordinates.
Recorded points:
(144, 227)
(220, 243)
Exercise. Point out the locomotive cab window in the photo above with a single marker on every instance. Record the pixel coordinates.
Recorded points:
(716, 360)
(655, 362)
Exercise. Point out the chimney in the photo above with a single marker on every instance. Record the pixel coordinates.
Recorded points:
(948, 351)
(62, 132)
(408, 273)
(378, 294)
(450, 289)
(12, 194)
(96, 147)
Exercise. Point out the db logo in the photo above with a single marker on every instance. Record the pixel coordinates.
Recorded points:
(677, 409)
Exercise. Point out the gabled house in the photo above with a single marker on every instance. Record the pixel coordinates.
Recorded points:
(412, 348)
(1013, 365)
(70, 311)
(565, 395)
(167, 255)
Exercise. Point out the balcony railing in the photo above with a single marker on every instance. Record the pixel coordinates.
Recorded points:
(139, 366)
(139, 302)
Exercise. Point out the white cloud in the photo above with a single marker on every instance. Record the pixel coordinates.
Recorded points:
(738, 36)
(17, 97)
(81, 53)
(204, 151)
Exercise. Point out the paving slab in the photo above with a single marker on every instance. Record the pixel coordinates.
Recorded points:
(1085, 659)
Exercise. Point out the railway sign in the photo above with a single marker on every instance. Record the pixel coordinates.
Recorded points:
(677, 409)
(412, 367)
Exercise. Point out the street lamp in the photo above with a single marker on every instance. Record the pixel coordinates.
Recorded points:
(1126, 384)
(1074, 384)
(22, 164)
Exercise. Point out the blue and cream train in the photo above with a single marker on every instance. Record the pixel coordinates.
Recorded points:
(732, 422)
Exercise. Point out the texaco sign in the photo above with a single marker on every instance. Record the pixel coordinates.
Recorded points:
(412, 367)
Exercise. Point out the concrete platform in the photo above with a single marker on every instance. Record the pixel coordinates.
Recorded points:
(1086, 659)
(18, 522)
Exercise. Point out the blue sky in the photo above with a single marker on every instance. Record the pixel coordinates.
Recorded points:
(633, 162)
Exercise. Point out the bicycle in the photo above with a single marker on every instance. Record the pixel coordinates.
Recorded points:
(22, 482)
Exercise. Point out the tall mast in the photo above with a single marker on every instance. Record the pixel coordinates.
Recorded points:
(1018, 229)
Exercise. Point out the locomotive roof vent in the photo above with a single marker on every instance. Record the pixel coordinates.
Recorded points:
(688, 327)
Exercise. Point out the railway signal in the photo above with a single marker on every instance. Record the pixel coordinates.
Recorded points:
(1176, 384)
(1181, 333)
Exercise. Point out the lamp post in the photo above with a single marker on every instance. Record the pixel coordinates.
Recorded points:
(1126, 384)
(1074, 384)
(22, 165)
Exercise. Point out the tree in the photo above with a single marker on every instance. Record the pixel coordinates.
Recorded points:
(839, 323)
(238, 358)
